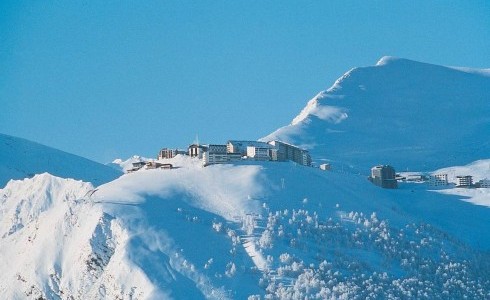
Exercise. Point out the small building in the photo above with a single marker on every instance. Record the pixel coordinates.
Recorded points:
(167, 153)
(464, 181)
(484, 183)
(415, 178)
(384, 176)
(157, 165)
(438, 180)
(325, 167)
(170, 153)
(136, 166)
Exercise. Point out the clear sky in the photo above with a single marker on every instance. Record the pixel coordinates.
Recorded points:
(109, 79)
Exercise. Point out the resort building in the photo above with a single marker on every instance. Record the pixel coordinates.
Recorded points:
(464, 181)
(196, 150)
(170, 153)
(261, 152)
(484, 183)
(438, 180)
(384, 176)
(217, 154)
(287, 151)
(241, 146)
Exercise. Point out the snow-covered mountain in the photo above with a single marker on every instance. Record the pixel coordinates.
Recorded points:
(20, 158)
(269, 230)
(235, 231)
(409, 114)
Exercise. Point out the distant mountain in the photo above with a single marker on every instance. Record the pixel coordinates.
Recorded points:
(20, 158)
(409, 114)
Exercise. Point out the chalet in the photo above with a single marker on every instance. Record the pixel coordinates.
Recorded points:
(464, 181)
(136, 166)
(384, 176)
(157, 165)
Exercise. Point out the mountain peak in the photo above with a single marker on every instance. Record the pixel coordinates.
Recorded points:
(387, 60)
(400, 111)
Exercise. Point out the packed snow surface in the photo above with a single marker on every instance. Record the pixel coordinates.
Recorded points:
(250, 229)
(20, 158)
(411, 115)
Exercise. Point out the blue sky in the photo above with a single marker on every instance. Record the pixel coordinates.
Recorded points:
(111, 79)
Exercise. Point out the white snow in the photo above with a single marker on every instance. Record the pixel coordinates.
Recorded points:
(269, 230)
(479, 170)
(401, 112)
(20, 158)
(231, 231)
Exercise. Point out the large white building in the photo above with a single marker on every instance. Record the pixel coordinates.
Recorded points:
(233, 146)
(218, 154)
(235, 150)
(263, 152)
(287, 151)
(438, 180)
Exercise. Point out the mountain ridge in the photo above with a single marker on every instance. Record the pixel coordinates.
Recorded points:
(21, 158)
(410, 114)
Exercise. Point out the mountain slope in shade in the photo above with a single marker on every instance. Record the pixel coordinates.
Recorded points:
(20, 158)
(409, 114)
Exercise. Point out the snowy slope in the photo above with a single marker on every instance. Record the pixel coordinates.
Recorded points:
(479, 170)
(20, 158)
(270, 230)
(409, 114)
(55, 243)
(231, 231)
